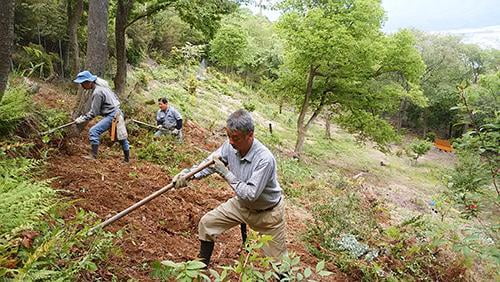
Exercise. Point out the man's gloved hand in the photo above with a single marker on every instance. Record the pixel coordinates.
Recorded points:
(175, 131)
(80, 119)
(180, 179)
(219, 166)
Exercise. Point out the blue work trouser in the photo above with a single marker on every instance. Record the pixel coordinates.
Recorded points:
(101, 127)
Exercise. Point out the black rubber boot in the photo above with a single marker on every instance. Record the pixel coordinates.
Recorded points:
(243, 228)
(283, 276)
(93, 152)
(206, 248)
(126, 156)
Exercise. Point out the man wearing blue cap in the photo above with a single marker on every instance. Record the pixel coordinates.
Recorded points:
(106, 104)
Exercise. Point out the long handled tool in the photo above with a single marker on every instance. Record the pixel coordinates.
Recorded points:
(148, 198)
(145, 124)
(57, 128)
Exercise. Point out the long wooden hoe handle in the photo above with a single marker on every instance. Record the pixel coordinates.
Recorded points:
(143, 123)
(59, 127)
(147, 199)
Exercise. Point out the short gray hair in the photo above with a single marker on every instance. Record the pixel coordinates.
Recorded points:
(240, 120)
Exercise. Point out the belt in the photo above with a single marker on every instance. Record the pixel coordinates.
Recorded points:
(271, 207)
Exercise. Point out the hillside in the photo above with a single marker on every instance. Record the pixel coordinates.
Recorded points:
(333, 169)
(355, 117)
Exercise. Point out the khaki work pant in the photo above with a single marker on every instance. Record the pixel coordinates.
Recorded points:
(231, 213)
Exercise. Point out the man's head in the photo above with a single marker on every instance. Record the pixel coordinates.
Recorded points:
(163, 103)
(86, 79)
(239, 129)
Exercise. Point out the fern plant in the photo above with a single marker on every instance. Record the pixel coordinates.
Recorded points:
(13, 107)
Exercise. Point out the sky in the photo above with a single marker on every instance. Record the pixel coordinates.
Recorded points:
(433, 15)
(438, 15)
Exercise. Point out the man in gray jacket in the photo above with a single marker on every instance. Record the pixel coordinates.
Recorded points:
(168, 120)
(106, 104)
(250, 169)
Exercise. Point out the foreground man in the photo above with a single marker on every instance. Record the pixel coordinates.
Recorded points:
(106, 104)
(251, 173)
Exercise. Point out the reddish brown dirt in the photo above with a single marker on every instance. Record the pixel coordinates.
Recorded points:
(55, 98)
(165, 228)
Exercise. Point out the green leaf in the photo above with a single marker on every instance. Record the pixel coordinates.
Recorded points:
(91, 266)
(325, 273)
(205, 277)
(307, 272)
(195, 264)
(46, 139)
(320, 266)
(192, 273)
(214, 273)
(170, 263)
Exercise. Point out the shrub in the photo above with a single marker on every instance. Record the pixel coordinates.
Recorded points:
(13, 107)
(293, 176)
(155, 150)
(468, 182)
(249, 106)
(346, 233)
(250, 266)
(33, 60)
(418, 148)
(22, 202)
(188, 54)
(192, 84)
(35, 242)
(51, 118)
(430, 136)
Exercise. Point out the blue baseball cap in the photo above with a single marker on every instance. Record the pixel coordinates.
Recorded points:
(84, 76)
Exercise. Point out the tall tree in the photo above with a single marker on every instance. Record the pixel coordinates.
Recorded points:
(446, 66)
(336, 54)
(97, 45)
(121, 23)
(249, 44)
(202, 14)
(97, 48)
(228, 46)
(7, 38)
(74, 13)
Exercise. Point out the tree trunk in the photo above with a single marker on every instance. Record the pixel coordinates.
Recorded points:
(401, 113)
(7, 38)
(301, 129)
(74, 15)
(424, 123)
(328, 118)
(122, 12)
(97, 46)
(97, 49)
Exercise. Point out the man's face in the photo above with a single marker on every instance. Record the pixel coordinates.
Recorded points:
(87, 85)
(163, 106)
(240, 141)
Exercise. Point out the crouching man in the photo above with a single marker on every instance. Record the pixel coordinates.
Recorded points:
(168, 120)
